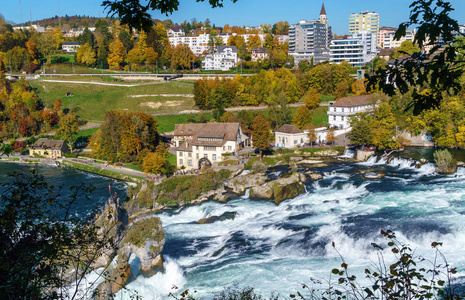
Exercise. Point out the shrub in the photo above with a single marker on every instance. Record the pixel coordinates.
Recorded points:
(258, 167)
(444, 161)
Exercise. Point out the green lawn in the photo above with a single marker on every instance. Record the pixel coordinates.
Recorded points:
(166, 123)
(92, 101)
(172, 160)
(320, 116)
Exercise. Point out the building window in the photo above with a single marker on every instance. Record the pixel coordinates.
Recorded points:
(295, 142)
(214, 156)
(334, 109)
(181, 162)
(229, 148)
(189, 154)
(181, 154)
(334, 118)
(343, 109)
(209, 148)
(197, 156)
(342, 118)
(189, 162)
(205, 156)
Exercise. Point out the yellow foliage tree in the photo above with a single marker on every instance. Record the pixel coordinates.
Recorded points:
(150, 55)
(86, 55)
(312, 99)
(302, 117)
(117, 53)
(359, 87)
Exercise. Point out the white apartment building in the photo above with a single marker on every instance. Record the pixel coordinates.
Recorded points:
(37, 28)
(364, 21)
(197, 44)
(340, 111)
(390, 42)
(311, 39)
(208, 144)
(224, 58)
(358, 49)
(259, 53)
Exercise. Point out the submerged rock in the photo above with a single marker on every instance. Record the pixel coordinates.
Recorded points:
(280, 189)
(229, 215)
(374, 175)
(284, 192)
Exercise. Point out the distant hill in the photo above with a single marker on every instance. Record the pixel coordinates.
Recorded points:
(72, 21)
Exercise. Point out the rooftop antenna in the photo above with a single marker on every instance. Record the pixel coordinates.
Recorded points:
(20, 12)
(30, 16)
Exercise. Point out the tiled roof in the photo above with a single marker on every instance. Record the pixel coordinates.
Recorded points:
(386, 52)
(354, 101)
(219, 133)
(222, 48)
(187, 129)
(43, 143)
(291, 129)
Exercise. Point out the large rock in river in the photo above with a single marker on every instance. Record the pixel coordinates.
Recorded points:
(281, 189)
(239, 184)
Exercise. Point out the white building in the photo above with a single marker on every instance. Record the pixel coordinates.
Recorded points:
(224, 58)
(358, 49)
(259, 53)
(310, 39)
(340, 111)
(390, 42)
(208, 144)
(175, 32)
(70, 46)
(197, 44)
(289, 136)
(364, 21)
(37, 28)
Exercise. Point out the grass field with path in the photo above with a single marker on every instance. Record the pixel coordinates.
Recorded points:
(92, 101)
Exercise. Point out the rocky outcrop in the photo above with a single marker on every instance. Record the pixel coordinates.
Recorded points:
(240, 184)
(280, 189)
(144, 237)
(314, 175)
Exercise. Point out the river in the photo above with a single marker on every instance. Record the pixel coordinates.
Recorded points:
(275, 249)
(67, 177)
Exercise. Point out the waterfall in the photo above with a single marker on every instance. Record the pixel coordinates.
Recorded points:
(348, 154)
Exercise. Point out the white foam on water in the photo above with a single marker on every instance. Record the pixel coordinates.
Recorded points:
(159, 285)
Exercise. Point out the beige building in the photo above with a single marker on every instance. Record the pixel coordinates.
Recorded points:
(340, 111)
(205, 144)
(364, 21)
(48, 148)
(289, 136)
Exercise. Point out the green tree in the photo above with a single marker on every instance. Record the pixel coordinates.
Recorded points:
(406, 48)
(330, 136)
(383, 128)
(361, 133)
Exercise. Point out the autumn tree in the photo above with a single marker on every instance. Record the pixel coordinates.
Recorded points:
(312, 136)
(359, 87)
(182, 57)
(302, 117)
(342, 90)
(261, 134)
(330, 136)
(135, 56)
(68, 128)
(117, 53)
(86, 55)
(254, 42)
(312, 99)
(157, 162)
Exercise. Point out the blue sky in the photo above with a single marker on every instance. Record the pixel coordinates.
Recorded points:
(243, 12)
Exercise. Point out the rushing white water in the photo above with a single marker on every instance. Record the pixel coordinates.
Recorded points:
(277, 248)
(347, 154)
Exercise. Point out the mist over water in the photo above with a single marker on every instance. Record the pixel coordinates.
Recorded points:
(277, 248)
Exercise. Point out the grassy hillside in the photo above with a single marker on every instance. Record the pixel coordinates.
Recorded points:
(92, 101)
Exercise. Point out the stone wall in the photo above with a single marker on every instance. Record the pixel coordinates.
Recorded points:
(363, 155)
